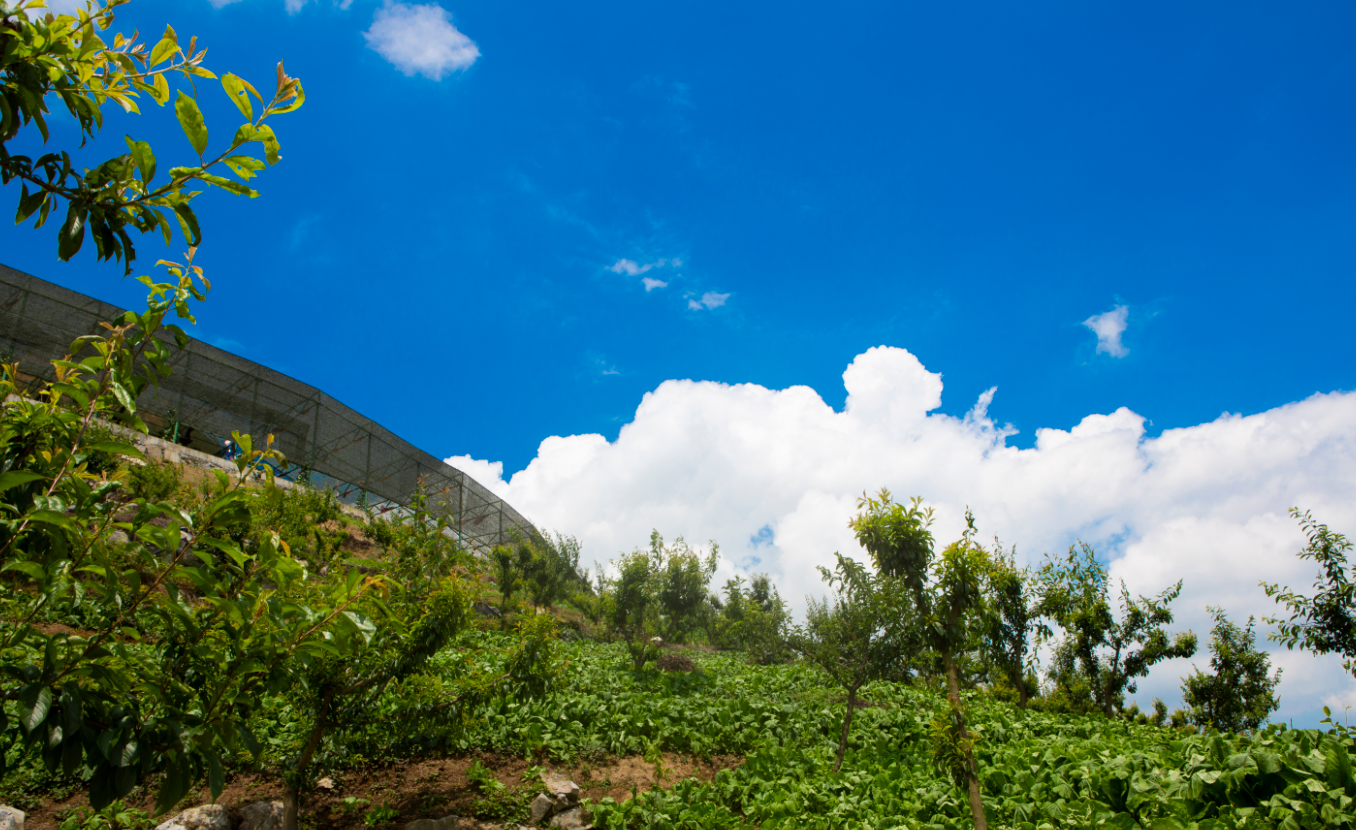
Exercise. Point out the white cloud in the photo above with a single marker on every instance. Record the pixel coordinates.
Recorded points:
(630, 267)
(651, 284)
(418, 39)
(1109, 326)
(709, 300)
(488, 473)
(1205, 503)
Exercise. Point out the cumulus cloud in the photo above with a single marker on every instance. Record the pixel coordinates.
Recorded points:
(709, 300)
(419, 39)
(773, 477)
(651, 284)
(1109, 326)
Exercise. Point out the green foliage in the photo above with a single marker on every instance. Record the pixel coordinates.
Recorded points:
(549, 566)
(633, 613)
(853, 636)
(380, 815)
(682, 574)
(1012, 616)
(181, 629)
(154, 481)
(754, 621)
(1240, 694)
(46, 58)
(116, 816)
(1326, 622)
(1101, 658)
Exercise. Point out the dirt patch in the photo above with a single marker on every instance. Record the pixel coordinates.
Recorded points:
(429, 788)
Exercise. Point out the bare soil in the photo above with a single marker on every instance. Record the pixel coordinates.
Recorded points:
(429, 788)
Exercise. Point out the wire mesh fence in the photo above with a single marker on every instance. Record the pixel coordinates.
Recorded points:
(212, 392)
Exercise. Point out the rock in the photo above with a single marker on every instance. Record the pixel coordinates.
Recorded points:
(11, 818)
(558, 785)
(261, 815)
(543, 807)
(205, 817)
(325, 783)
(485, 610)
(575, 818)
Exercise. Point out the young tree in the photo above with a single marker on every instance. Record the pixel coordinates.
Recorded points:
(1326, 622)
(176, 621)
(1013, 614)
(633, 612)
(854, 635)
(44, 56)
(551, 568)
(683, 576)
(504, 561)
(1109, 654)
(1241, 692)
(947, 602)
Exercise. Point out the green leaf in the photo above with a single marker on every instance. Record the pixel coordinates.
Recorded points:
(110, 447)
(14, 478)
(239, 91)
(228, 185)
(72, 233)
(144, 158)
(244, 166)
(215, 779)
(188, 223)
(263, 133)
(124, 397)
(33, 569)
(28, 203)
(159, 89)
(34, 703)
(190, 118)
(52, 517)
(169, 42)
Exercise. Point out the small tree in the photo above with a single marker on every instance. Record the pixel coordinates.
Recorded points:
(1096, 645)
(947, 603)
(1326, 622)
(1241, 692)
(1013, 614)
(504, 562)
(551, 568)
(683, 576)
(633, 612)
(853, 636)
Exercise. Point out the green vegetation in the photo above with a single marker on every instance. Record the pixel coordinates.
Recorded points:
(157, 633)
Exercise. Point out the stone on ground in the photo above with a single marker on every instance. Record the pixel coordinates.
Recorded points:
(205, 817)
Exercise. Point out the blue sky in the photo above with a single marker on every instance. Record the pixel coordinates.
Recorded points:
(967, 181)
(1126, 219)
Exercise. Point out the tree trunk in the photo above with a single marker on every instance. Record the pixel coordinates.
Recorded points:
(1021, 690)
(847, 724)
(971, 768)
(292, 782)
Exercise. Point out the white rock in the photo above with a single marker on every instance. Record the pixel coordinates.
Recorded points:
(576, 818)
(205, 817)
(261, 815)
(11, 818)
(558, 785)
(542, 808)
(325, 783)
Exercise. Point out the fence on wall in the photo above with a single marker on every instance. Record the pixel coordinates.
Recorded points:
(212, 392)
